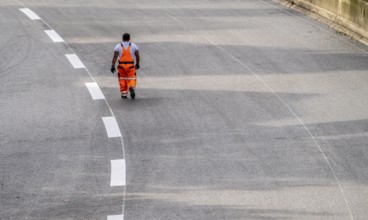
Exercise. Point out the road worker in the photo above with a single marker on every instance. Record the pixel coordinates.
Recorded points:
(128, 56)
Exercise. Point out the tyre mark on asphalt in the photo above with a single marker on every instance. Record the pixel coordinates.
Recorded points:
(18, 48)
(174, 18)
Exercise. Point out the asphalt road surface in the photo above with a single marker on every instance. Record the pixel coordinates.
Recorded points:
(245, 110)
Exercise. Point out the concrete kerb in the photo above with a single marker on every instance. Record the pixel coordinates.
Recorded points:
(340, 24)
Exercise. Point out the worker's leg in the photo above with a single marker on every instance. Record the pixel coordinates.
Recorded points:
(123, 87)
(132, 78)
(123, 82)
(132, 82)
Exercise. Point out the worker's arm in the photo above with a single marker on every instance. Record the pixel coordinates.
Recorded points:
(116, 54)
(136, 53)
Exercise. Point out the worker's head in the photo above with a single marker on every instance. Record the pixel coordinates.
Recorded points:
(126, 37)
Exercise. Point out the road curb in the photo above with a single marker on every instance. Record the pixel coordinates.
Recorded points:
(340, 24)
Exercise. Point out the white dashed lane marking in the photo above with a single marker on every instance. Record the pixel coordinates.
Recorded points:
(118, 173)
(115, 217)
(95, 91)
(54, 36)
(118, 167)
(112, 127)
(75, 61)
(30, 13)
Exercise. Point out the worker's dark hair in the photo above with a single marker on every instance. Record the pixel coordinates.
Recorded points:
(126, 37)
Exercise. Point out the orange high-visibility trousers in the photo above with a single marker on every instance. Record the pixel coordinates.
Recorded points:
(126, 70)
(127, 78)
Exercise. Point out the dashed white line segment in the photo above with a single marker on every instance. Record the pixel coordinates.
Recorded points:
(118, 167)
(112, 127)
(118, 173)
(54, 36)
(30, 13)
(115, 217)
(95, 91)
(75, 61)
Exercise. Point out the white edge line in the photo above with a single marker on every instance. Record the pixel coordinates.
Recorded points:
(95, 90)
(118, 173)
(31, 14)
(293, 113)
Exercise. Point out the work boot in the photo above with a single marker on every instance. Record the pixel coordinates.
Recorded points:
(132, 92)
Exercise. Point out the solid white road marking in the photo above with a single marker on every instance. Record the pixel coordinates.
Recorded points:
(54, 36)
(95, 91)
(30, 13)
(293, 113)
(112, 127)
(115, 217)
(118, 172)
(75, 61)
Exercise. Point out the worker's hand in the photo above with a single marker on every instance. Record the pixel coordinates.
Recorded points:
(113, 69)
(137, 66)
